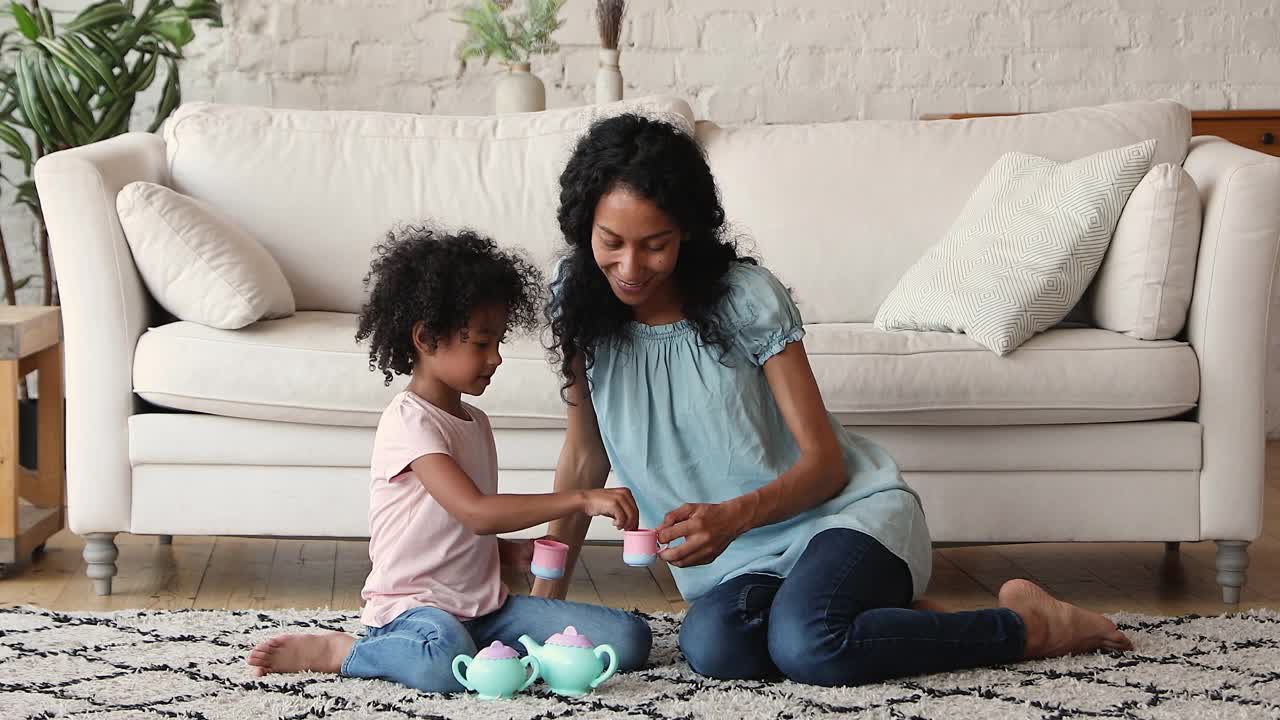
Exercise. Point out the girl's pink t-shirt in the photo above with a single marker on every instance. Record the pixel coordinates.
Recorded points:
(421, 554)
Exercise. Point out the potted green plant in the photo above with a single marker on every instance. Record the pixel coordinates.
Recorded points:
(75, 83)
(513, 40)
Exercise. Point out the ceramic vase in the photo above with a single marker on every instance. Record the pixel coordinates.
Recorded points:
(518, 91)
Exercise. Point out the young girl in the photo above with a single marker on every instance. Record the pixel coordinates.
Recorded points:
(440, 307)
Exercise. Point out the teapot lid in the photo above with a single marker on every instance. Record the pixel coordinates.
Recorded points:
(569, 638)
(496, 651)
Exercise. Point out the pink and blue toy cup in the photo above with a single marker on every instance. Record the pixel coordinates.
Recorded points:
(639, 547)
(548, 559)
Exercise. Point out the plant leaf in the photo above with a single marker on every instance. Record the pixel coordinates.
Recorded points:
(70, 61)
(143, 73)
(11, 137)
(105, 43)
(173, 25)
(28, 97)
(44, 22)
(26, 22)
(99, 16)
(63, 118)
(170, 98)
(110, 123)
(209, 10)
(100, 68)
(28, 196)
(61, 83)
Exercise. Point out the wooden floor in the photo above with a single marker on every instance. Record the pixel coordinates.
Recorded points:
(222, 572)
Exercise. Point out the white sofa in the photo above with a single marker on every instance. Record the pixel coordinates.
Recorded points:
(1080, 435)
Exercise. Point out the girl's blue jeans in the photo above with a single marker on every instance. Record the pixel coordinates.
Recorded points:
(418, 647)
(840, 618)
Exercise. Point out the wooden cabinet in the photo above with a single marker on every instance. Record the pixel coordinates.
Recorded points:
(1256, 129)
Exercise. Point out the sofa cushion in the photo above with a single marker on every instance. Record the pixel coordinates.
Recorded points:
(198, 264)
(1023, 251)
(843, 209)
(1143, 288)
(308, 369)
(319, 188)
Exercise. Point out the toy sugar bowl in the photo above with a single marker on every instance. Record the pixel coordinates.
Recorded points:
(495, 672)
(569, 664)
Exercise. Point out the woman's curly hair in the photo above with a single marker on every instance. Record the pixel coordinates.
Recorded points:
(665, 165)
(424, 275)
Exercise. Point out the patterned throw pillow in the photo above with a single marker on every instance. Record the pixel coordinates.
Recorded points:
(1022, 252)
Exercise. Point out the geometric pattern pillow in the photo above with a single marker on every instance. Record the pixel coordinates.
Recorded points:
(1023, 250)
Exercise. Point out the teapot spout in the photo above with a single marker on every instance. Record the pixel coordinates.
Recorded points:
(531, 646)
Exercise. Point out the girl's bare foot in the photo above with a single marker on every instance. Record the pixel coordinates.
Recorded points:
(924, 603)
(301, 653)
(1056, 628)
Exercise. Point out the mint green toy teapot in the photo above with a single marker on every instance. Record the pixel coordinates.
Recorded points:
(569, 665)
(495, 672)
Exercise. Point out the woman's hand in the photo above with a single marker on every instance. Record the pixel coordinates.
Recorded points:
(617, 503)
(707, 529)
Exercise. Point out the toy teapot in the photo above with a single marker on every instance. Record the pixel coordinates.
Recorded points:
(569, 665)
(495, 672)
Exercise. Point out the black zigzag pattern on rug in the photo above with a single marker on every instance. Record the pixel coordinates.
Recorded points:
(190, 664)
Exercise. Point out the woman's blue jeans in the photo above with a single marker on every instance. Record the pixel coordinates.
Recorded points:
(840, 618)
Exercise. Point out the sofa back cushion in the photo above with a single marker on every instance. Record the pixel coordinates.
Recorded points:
(319, 188)
(839, 211)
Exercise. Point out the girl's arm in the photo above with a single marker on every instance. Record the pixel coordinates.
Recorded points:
(492, 514)
(816, 477)
(583, 465)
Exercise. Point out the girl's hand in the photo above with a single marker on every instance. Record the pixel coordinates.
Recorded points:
(617, 503)
(707, 529)
(516, 554)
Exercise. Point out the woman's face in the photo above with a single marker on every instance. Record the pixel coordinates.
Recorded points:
(636, 245)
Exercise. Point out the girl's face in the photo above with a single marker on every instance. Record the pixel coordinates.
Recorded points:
(636, 245)
(466, 360)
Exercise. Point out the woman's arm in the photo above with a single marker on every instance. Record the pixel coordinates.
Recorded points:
(583, 465)
(816, 477)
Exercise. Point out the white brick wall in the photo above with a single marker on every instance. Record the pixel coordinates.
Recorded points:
(750, 61)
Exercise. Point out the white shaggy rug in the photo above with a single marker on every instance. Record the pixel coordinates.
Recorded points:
(137, 665)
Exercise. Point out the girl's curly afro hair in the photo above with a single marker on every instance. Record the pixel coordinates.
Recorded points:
(423, 275)
(665, 165)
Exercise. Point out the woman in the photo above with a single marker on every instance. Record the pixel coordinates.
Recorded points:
(797, 543)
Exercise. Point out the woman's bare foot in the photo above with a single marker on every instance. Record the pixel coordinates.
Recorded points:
(1056, 628)
(301, 653)
(924, 603)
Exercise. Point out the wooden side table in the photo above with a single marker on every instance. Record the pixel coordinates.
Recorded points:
(30, 502)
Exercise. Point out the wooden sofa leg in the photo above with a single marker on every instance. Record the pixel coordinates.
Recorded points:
(1233, 558)
(1174, 546)
(100, 553)
(164, 539)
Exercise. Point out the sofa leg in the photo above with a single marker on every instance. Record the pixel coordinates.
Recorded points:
(1233, 558)
(100, 553)
(164, 539)
(1174, 546)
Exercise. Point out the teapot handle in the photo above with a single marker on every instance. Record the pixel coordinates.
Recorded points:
(531, 662)
(462, 660)
(613, 664)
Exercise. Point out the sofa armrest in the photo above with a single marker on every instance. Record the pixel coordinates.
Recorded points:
(104, 310)
(1227, 326)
